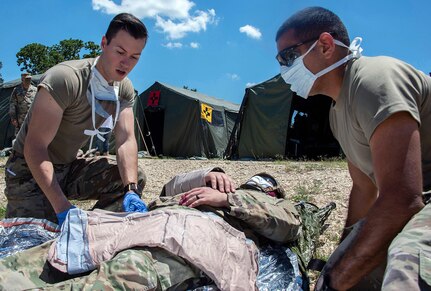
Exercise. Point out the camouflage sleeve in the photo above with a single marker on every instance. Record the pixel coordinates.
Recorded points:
(161, 202)
(276, 219)
(13, 103)
(184, 182)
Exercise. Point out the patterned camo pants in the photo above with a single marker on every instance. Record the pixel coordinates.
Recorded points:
(94, 178)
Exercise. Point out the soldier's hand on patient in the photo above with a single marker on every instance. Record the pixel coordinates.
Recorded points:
(132, 203)
(204, 196)
(220, 181)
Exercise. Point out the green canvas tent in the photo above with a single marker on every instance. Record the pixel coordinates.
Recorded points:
(178, 122)
(7, 130)
(275, 123)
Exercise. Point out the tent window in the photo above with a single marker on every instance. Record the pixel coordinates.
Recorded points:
(217, 118)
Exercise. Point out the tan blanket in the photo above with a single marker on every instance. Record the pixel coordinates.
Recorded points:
(205, 240)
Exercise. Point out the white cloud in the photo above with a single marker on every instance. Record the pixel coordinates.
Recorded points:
(233, 76)
(251, 31)
(194, 45)
(250, 84)
(173, 45)
(146, 8)
(179, 29)
(172, 17)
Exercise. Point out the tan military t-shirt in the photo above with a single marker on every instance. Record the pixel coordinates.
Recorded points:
(373, 89)
(67, 83)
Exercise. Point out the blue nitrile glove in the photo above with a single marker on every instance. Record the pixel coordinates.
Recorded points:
(132, 203)
(62, 215)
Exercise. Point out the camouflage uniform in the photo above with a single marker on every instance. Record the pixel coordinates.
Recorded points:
(83, 179)
(409, 255)
(259, 216)
(20, 102)
(133, 269)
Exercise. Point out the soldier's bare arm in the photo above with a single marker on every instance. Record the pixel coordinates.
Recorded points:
(43, 126)
(127, 149)
(362, 196)
(395, 148)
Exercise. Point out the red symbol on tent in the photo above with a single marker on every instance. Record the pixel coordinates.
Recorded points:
(154, 98)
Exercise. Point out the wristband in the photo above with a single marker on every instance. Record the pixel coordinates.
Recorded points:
(133, 187)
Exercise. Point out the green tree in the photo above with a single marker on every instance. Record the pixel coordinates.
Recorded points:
(36, 58)
(93, 50)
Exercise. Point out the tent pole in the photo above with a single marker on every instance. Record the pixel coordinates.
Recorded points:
(142, 135)
(149, 134)
(146, 123)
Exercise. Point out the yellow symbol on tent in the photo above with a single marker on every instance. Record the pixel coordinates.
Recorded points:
(206, 112)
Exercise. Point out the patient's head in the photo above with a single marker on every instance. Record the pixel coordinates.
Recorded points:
(266, 183)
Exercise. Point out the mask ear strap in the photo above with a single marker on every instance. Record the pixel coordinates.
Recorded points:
(93, 98)
(93, 132)
(356, 53)
(309, 50)
(117, 108)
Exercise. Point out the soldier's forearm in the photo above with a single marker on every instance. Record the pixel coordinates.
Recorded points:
(368, 248)
(127, 160)
(42, 170)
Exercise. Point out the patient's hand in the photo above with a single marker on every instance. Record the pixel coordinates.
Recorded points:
(220, 181)
(204, 196)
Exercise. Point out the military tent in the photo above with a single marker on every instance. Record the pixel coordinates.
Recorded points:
(7, 130)
(179, 122)
(273, 122)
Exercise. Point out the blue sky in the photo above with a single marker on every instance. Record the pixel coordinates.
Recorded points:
(215, 46)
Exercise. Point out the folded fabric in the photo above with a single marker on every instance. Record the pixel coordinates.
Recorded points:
(221, 251)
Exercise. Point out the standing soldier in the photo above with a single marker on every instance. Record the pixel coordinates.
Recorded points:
(20, 101)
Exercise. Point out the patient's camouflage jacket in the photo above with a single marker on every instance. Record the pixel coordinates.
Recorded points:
(262, 218)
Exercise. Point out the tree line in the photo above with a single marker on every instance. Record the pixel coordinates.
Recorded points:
(36, 58)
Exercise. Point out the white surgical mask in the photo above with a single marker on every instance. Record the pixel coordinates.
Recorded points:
(99, 89)
(301, 80)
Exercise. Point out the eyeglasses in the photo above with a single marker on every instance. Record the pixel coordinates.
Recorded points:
(287, 56)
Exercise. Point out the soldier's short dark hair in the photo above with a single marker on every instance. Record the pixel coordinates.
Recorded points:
(126, 22)
(313, 21)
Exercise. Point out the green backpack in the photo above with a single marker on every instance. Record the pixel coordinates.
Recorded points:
(313, 225)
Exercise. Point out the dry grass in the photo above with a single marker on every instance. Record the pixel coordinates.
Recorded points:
(316, 182)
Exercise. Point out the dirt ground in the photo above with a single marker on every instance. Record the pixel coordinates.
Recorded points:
(316, 182)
